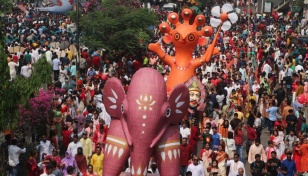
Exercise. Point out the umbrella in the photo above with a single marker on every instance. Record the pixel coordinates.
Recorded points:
(15, 49)
(64, 45)
(196, 10)
(54, 44)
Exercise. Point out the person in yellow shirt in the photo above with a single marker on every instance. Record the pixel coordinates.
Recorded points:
(250, 102)
(69, 54)
(97, 161)
(87, 146)
(240, 113)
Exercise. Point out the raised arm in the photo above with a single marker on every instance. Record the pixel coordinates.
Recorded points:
(211, 49)
(155, 47)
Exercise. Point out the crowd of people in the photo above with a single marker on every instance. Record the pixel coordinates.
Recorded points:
(252, 86)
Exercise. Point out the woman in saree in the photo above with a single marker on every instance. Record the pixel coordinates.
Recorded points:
(297, 155)
(277, 140)
(224, 128)
(221, 157)
(206, 156)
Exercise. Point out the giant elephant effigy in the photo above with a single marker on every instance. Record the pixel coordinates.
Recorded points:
(144, 122)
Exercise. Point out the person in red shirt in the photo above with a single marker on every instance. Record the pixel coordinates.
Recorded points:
(186, 152)
(251, 136)
(278, 124)
(194, 137)
(66, 137)
(239, 140)
(136, 65)
(96, 61)
(85, 53)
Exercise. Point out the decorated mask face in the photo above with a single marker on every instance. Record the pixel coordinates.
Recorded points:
(194, 95)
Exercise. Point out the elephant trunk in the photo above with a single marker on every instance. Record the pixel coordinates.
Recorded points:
(167, 152)
(116, 150)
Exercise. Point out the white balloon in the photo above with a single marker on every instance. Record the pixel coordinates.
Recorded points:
(227, 8)
(216, 11)
(215, 22)
(226, 26)
(233, 17)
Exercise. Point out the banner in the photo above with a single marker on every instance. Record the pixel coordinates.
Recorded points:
(267, 7)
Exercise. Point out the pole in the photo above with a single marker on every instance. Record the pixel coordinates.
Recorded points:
(77, 43)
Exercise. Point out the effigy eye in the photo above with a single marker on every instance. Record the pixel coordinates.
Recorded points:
(177, 36)
(191, 37)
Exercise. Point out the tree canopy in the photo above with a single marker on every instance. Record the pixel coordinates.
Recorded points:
(120, 26)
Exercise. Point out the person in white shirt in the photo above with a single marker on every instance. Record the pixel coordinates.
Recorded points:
(298, 68)
(48, 55)
(196, 168)
(267, 69)
(14, 152)
(12, 65)
(26, 70)
(45, 147)
(235, 165)
(184, 131)
(73, 146)
(255, 89)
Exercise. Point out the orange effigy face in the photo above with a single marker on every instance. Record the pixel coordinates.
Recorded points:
(184, 37)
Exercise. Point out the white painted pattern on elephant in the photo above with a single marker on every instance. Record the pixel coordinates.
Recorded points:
(145, 102)
(109, 138)
(116, 150)
(113, 100)
(178, 104)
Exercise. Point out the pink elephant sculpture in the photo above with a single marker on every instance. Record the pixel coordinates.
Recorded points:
(147, 115)
(117, 149)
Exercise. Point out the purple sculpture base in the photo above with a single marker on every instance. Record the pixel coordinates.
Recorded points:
(129, 174)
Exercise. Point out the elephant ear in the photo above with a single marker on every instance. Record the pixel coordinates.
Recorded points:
(179, 103)
(113, 97)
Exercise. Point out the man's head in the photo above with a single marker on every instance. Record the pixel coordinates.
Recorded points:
(274, 154)
(70, 170)
(98, 150)
(284, 170)
(236, 157)
(214, 128)
(292, 132)
(188, 173)
(240, 171)
(184, 141)
(75, 138)
(195, 160)
(257, 142)
(85, 135)
(49, 169)
(289, 155)
(258, 157)
(44, 138)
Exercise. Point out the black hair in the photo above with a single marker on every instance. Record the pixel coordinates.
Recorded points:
(70, 169)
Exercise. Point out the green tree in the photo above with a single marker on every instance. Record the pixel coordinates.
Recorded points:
(16, 93)
(120, 25)
(6, 6)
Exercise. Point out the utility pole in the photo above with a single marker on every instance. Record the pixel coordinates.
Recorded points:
(77, 43)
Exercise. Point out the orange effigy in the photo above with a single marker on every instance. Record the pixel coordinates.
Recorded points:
(185, 38)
